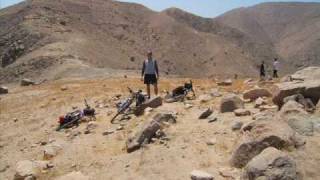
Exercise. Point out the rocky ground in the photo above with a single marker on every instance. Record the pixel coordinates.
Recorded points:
(244, 136)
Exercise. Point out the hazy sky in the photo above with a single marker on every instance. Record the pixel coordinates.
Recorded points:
(206, 8)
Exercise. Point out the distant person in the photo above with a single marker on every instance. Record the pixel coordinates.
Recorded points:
(275, 68)
(150, 73)
(262, 71)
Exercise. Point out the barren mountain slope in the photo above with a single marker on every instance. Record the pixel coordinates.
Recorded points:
(291, 27)
(50, 38)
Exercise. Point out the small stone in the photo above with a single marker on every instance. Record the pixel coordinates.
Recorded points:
(64, 88)
(206, 113)
(212, 118)
(237, 126)
(4, 90)
(108, 132)
(27, 82)
(259, 102)
(188, 106)
(242, 112)
(119, 128)
(227, 82)
(50, 151)
(201, 175)
(211, 142)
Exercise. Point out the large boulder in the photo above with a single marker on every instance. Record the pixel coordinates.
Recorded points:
(271, 164)
(148, 131)
(74, 176)
(4, 90)
(296, 117)
(306, 74)
(27, 82)
(152, 103)
(231, 102)
(260, 135)
(256, 93)
(308, 85)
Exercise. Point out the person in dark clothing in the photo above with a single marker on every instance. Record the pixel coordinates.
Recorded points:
(262, 71)
(150, 73)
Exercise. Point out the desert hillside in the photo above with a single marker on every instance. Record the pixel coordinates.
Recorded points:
(53, 39)
(290, 28)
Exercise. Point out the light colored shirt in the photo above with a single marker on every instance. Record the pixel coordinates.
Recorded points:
(276, 65)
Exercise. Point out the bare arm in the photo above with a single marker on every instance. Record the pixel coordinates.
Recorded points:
(157, 69)
(143, 68)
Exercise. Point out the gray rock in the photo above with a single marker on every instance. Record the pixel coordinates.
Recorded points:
(231, 102)
(201, 175)
(27, 82)
(242, 112)
(296, 117)
(260, 135)
(4, 90)
(74, 176)
(271, 164)
(256, 93)
(148, 131)
(237, 126)
(205, 113)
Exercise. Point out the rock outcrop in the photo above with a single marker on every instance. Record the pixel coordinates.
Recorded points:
(271, 164)
(260, 135)
(296, 117)
(148, 131)
(308, 86)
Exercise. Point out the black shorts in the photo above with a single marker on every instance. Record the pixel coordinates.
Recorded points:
(150, 79)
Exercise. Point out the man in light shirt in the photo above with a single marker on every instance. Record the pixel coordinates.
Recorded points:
(275, 68)
(150, 73)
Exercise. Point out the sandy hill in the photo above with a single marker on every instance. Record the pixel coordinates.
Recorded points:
(53, 39)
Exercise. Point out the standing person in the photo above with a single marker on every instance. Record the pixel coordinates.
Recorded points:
(275, 68)
(150, 73)
(262, 71)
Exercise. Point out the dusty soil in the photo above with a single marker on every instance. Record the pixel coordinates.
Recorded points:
(29, 116)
